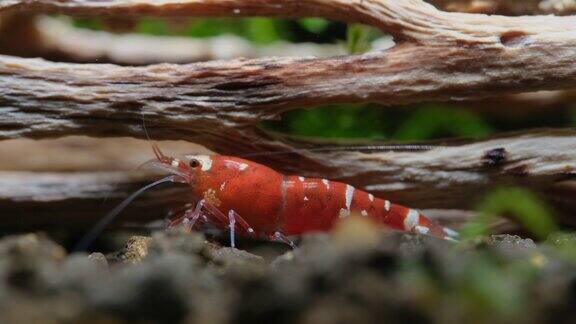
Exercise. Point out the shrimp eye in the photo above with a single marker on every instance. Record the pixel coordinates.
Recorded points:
(194, 163)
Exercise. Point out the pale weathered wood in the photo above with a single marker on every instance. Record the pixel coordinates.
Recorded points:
(449, 56)
(64, 201)
(439, 56)
(85, 154)
(74, 201)
(30, 36)
(509, 7)
(453, 175)
(412, 19)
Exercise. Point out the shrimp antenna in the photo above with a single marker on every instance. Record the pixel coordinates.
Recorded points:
(89, 237)
(145, 129)
(382, 148)
(155, 148)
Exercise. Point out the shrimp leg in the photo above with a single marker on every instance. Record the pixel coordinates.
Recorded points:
(189, 218)
(235, 223)
(205, 211)
(279, 237)
(233, 218)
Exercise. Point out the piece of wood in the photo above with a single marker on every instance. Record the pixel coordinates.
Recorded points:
(509, 7)
(449, 176)
(85, 154)
(64, 201)
(438, 56)
(52, 38)
(76, 201)
(442, 56)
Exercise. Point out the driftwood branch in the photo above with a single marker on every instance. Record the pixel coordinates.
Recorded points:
(442, 56)
(50, 99)
(73, 201)
(438, 56)
(451, 176)
(63, 201)
(446, 177)
(509, 7)
(41, 36)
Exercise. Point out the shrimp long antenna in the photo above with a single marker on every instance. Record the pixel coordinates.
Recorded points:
(157, 151)
(155, 148)
(89, 237)
(145, 129)
(382, 148)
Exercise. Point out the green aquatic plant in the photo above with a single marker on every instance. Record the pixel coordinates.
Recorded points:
(432, 121)
(519, 204)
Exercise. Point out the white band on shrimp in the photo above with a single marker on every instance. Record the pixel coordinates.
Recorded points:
(412, 219)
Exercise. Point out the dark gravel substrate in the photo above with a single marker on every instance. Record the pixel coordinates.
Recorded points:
(356, 275)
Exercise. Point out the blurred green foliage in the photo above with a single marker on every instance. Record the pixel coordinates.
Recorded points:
(481, 285)
(358, 38)
(432, 121)
(258, 29)
(373, 122)
(564, 243)
(337, 121)
(518, 203)
(88, 23)
(314, 25)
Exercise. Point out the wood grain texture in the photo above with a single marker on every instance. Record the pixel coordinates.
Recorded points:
(76, 201)
(449, 176)
(439, 56)
(509, 7)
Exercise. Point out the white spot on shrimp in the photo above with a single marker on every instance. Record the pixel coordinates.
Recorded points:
(371, 197)
(301, 179)
(235, 164)
(326, 183)
(306, 198)
(412, 219)
(205, 161)
(310, 185)
(349, 195)
(222, 186)
(343, 213)
(364, 213)
(175, 163)
(422, 229)
(387, 205)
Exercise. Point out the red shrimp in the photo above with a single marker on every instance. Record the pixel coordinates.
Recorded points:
(255, 200)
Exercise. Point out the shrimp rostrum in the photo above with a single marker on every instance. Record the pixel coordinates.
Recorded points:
(254, 200)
